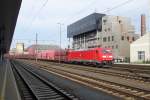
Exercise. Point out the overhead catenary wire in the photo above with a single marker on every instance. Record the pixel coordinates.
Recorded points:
(81, 10)
(117, 6)
(104, 11)
(35, 16)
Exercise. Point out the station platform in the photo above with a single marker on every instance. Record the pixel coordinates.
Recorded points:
(8, 87)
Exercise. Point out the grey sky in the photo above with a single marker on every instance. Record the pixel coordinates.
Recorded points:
(34, 18)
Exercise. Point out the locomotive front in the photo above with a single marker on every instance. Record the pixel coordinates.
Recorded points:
(107, 56)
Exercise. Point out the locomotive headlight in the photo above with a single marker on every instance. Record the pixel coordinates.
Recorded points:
(110, 56)
(104, 56)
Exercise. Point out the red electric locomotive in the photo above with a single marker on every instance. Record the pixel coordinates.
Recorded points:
(95, 56)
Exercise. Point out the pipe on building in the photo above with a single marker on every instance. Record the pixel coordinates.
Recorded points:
(143, 24)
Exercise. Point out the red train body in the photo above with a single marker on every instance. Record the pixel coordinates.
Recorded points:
(95, 56)
(48, 54)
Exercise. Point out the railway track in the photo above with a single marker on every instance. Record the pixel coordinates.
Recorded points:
(141, 67)
(34, 87)
(135, 69)
(132, 76)
(132, 69)
(113, 88)
(26, 93)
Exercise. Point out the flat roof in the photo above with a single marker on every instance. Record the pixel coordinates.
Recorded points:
(89, 23)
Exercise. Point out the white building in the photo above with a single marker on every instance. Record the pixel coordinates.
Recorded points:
(140, 49)
(19, 48)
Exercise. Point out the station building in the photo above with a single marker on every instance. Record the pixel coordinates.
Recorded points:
(100, 30)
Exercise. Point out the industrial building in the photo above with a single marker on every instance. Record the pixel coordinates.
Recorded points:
(100, 30)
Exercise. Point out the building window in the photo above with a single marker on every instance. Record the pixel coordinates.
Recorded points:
(116, 46)
(99, 45)
(104, 22)
(112, 38)
(122, 38)
(141, 55)
(108, 29)
(133, 39)
(104, 39)
(119, 21)
(108, 38)
(105, 30)
(112, 47)
(128, 38)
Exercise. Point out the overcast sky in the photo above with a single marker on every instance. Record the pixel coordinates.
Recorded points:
(42, 16)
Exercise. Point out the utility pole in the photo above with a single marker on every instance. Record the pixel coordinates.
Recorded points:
(60, 26)
(36, 47)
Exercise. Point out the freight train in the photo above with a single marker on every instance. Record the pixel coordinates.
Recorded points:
(96, 56)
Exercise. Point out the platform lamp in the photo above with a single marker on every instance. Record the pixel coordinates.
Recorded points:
(36, 49)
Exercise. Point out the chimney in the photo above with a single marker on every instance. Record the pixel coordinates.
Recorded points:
(143, 24)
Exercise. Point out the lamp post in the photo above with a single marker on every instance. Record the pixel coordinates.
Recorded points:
(60, 26)
(36, 47)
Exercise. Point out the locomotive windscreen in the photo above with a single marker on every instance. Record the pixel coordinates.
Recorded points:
(105, 51)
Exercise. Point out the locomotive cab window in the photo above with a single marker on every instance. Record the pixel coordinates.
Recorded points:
(106, 51)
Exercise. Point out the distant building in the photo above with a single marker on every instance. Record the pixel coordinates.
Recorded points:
(19, 48)
(12, 51)
(100, 30)
(32, 49)
(140, 49)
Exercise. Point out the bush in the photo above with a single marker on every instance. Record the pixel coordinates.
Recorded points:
(146, 62)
